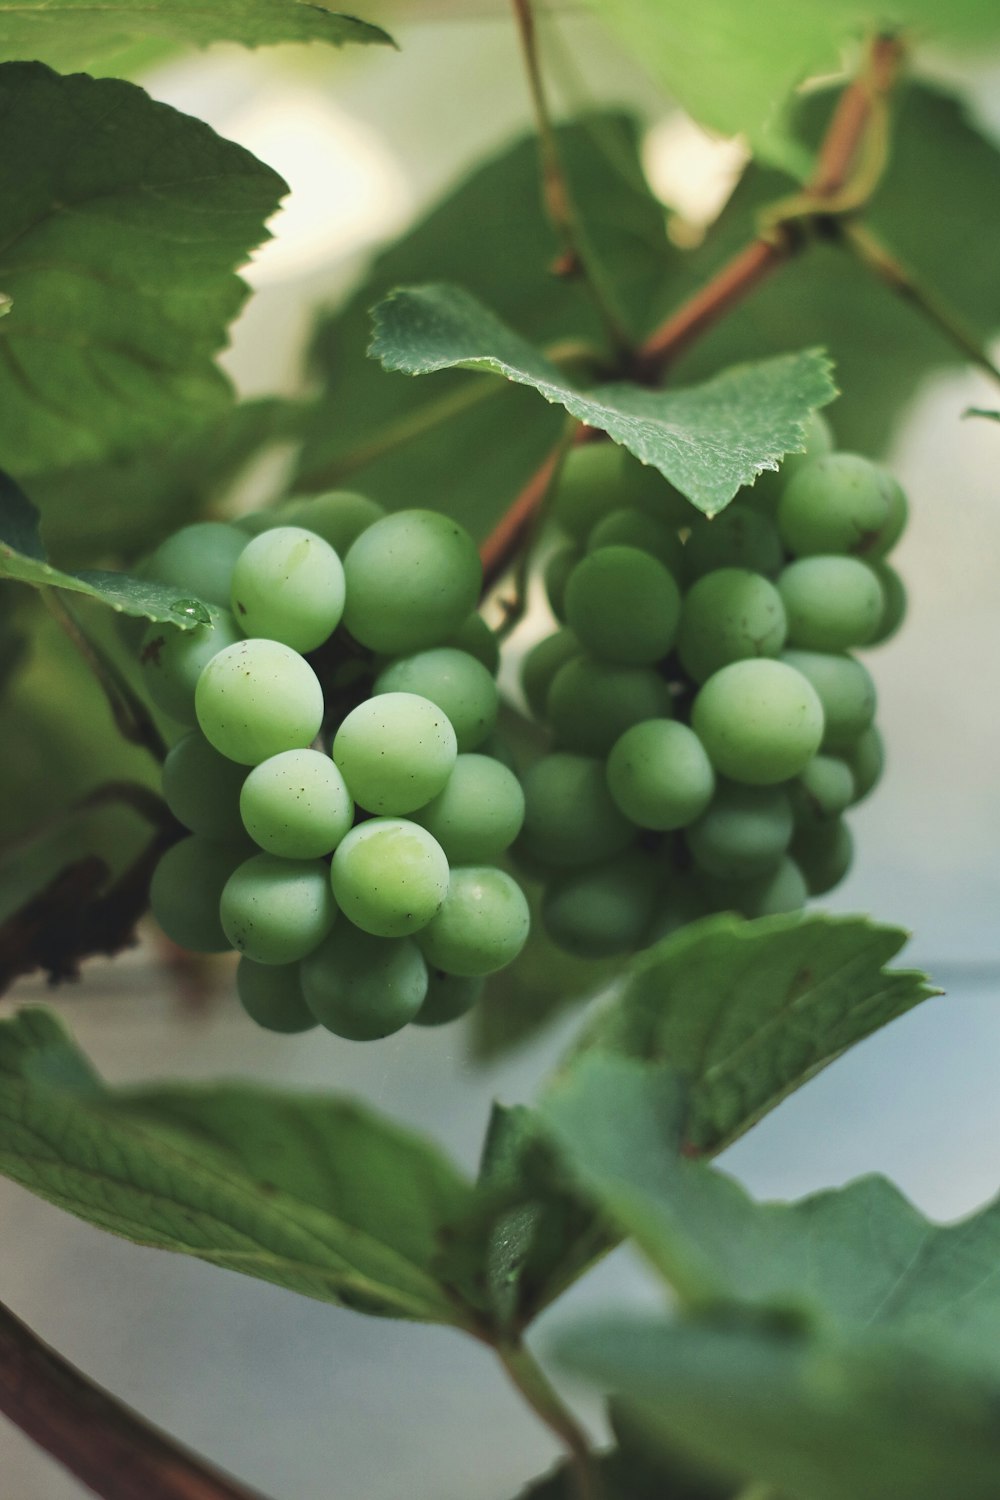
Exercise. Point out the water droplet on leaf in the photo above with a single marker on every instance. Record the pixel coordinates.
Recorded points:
(191, 609)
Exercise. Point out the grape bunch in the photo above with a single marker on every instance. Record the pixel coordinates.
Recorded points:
(709, 722)
(345, 814)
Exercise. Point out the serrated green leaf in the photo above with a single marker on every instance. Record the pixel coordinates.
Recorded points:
(746, 1012)
(314, 1194)
(75, 34)
(121, 222)
(707, 441)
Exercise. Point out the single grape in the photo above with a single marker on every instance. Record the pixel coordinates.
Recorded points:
(866, 759)
(172, 661)
(257, 698)
(479, 812)
(760, 721)
(338, 516)
(782, 890)
(277, 910)
(395, 752)
(482, 925)
(453, 680)
(894, 609)
(832, 603)
(202, 788)
(448, 998)
(845, 689)
(729, 615)
(823, 853)
(631, 527)
(412, 579)
(839, 503)
(659, 775)
(744, 832)
(558, 566)
(199, 559)
(186, 887)
(288, 586)
(826, 786)
(765, 493)
(896, 524)
(591, 703)
(739, 537)
(271, 995)
(541, 664)
(476, 637)
(570, 816)
(591, 482)
(296, 804)
(604, 909)
(623, 606)
(389, 876)
(363, 987)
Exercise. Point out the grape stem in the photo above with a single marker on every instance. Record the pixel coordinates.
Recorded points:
(545, 1401)
(106, 1445)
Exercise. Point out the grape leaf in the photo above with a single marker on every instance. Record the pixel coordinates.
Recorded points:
(707, 440)
(76, 34)
(121, 221)
(314, 1194)
(747, 1012)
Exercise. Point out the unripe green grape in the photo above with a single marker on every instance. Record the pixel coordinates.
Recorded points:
(895, 526)
(338, 516)
(449, 997)
(680, 902)
(840, 503)
(479, 812)
(558, 566)
(738, 537)
(823, 853)
(199, 559)
(659, 775)
(729, 615)
(760, 721)
(453, 680)
(202, 788)
(541, 664)
(866, 759)
(894, 609)
(476, 637)
(780, 891)
(172, 661)
(831, 603)
(744, 832)
(845, 689)
(623, 606)
(277, 910)
(826, 786)
(288, 586)
(395, 752)
(296, 804)
(271, 995)
(570, 816)
(591, 703)
(257, 698)
(591, 483)
(602, 910)
(765, 493)
(482, 925)
(412, 579)
(361, 987)
(389, 876)
(631, 527)
(185, 890)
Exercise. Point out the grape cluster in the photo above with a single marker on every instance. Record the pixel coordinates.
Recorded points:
(345, 815)
(710, 725)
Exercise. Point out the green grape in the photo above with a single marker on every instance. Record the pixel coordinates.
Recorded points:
(172, 661)
(296, 804)
(845, 689)
(185, 890)
(361, 987)
(760, 721)
(202, 788)
(479, 812)
(449, 996)
(482, 926)
(680, 902)
(866, 759)
(338, 516)
(257, 698)
(744, 832)
(630, 527)
(729, 615)
(559, 565)
(271, 995)
(389, 876)
(412, 578)
(825, 787)
(765, 494)
(832, 603)
(824, 853)
(277, 910)
(623, 606)
(395, 752)
(199, 559)
(288, 586)
(570, 817)
(476, 637)
(896, 524)
(839, 503)
(649, 491)
(659, 775)
(591, 482)
(456, 682)
(894, 610)
(782, 890)
(541, 664)
(738, 537)
(591, 703)
(605, 909)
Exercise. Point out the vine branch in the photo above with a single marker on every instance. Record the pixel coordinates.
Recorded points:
(545, 1401)
(106, 1445)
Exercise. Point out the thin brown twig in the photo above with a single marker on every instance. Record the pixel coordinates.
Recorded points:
(106, 1445)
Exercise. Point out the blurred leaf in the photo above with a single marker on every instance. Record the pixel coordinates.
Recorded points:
(122, 221)
(707, 440)
(746, 1012)
(314, 1194)
(74, 34)
(979, 411)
